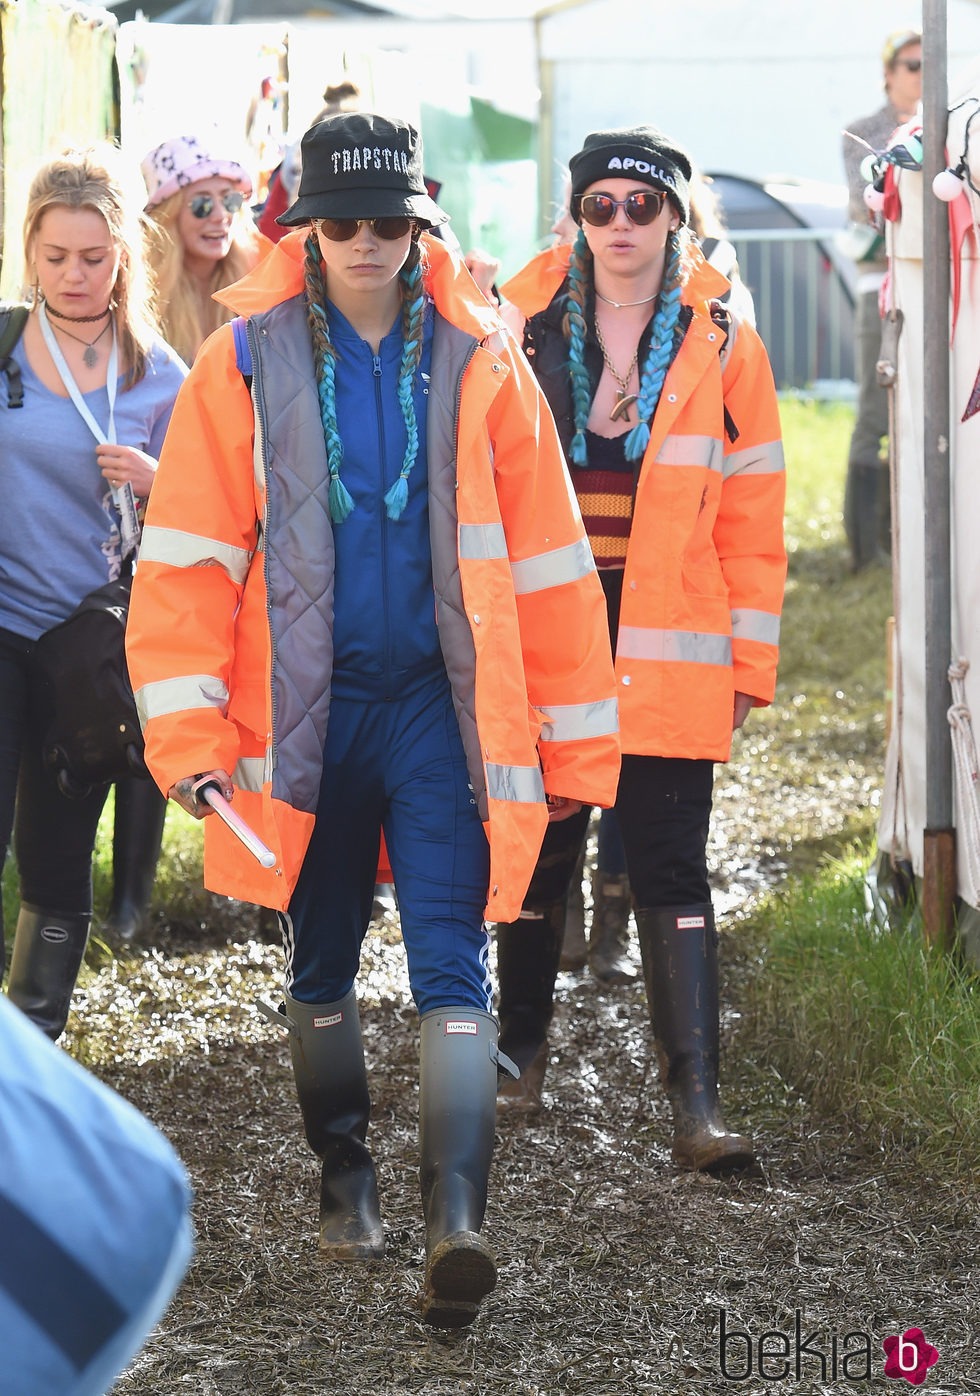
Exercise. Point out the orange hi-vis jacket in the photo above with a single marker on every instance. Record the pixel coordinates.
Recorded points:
(230, 628)
(705, 561)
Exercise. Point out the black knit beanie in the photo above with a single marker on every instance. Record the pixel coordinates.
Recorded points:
(635, 152)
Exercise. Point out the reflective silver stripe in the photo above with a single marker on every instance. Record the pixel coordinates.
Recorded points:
(179, 695)
(574, 721)
(522, 784)
(553, 569)
(706, 452)
(678, 646)
(755, 625)
(181, 549)
(764, 459)
(249, 773)
(482, 541)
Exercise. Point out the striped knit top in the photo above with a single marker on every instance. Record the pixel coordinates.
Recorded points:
(605, 495)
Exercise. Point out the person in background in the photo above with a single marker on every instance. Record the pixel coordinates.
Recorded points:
(99, 386)
(284, 181)
(666, 409)
(392, 622)
(866, 491)
(205, 240)
(197, 197)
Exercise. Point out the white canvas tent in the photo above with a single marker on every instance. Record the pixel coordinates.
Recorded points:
(917, 751)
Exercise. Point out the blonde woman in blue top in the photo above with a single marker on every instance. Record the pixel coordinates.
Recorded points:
(98, 388)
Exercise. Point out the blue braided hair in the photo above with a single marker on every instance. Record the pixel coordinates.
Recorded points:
(413, 317)
(658, 359)
(661, 351)
(579, 276)
(324, 358)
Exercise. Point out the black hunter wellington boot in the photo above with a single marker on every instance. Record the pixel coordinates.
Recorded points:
(680, 965)
(528, 951)
(457, 1091)
(48, 950)
(331, 1082)
(137, 834)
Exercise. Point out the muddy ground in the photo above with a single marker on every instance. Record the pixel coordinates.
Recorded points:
(616, 1270)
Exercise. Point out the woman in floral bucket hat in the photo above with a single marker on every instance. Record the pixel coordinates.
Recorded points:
(389, 620)
(202, 238)
(198, 198)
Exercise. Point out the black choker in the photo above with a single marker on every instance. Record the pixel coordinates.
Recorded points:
(77, 319)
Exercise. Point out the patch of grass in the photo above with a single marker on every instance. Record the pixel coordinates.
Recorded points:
(872, 1027)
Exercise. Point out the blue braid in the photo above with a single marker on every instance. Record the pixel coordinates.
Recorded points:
(581, 389)
(414, 309)
(660, 355)
(338, 497)
(341, 503)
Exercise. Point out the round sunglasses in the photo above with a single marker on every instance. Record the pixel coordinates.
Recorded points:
(642, 208)
(343, 229)
(202, 205)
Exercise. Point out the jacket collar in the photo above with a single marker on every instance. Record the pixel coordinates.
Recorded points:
(536, 286)
(280, 276)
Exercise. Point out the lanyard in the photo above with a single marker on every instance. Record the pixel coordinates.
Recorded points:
(123, 497)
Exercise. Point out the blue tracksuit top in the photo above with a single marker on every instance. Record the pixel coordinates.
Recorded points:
(385, 639)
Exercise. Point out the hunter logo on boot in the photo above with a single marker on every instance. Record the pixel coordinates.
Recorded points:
(690, 923)
(455, 1026)
(327, 1020)
(54, 935)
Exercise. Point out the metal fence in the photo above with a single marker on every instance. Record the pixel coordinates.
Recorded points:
(803, 303)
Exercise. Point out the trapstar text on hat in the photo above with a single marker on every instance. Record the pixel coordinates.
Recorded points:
(364, 158)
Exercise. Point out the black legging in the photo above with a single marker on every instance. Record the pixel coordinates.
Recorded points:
(664, 806)
(53, 835)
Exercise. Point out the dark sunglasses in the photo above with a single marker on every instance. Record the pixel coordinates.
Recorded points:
(641, 208)
(202, 205)
(914, 65)
(343, 229)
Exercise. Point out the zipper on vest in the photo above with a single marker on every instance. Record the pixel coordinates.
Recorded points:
(379, 405)
(258, 405)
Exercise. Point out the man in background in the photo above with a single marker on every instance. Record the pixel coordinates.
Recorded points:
(866, 494)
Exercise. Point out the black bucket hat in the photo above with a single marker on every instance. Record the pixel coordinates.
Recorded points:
(358, 165)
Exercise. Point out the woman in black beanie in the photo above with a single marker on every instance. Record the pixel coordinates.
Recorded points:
(666, 409)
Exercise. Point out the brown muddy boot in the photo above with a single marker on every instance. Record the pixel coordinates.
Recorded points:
(457, 1089)
(609, 936)
(331, 1082)
(680, 966)
(528, 950)
(574, 947)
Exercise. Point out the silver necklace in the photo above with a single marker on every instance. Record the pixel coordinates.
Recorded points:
(90, 358)
(622, 305)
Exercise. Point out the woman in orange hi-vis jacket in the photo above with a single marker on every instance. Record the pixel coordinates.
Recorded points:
(667, 412)
(366, 600)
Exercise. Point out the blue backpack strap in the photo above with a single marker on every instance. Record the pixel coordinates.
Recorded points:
(243, 354)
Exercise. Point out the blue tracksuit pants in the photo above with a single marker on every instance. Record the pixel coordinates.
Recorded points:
(397, 765)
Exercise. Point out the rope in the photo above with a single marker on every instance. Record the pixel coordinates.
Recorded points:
(965, 765)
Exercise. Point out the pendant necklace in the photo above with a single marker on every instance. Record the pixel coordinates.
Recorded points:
(90, 358)
(624, 398)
